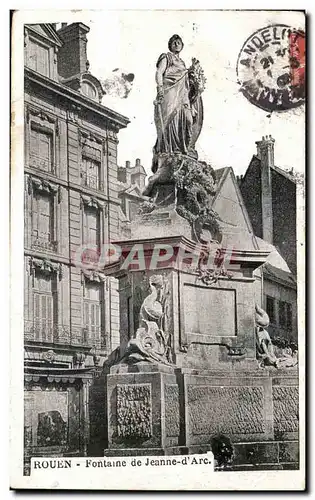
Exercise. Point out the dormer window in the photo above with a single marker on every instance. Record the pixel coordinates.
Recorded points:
(41, 44)
(89, 90)
(38, 58)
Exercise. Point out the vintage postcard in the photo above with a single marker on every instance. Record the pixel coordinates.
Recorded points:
(158, 233)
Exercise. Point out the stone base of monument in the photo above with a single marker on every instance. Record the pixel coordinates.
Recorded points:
(186, 379)
(159, 410)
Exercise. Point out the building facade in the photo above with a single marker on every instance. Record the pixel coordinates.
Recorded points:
(71, 209)
(269, 194)
(131, 183)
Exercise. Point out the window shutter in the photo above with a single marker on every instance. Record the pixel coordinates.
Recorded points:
(97, 320)
(49, 308)
(45, 150)
(282, 314)
(289, 316)
(43, 316)
(37, 315)
(270, 308)
(42, 60)
(85, 227)
(86, 314)
(32, 55)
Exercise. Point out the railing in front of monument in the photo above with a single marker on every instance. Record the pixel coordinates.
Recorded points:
(92, 181)
(48, 332)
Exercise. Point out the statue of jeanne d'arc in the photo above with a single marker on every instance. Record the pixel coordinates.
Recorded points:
(178, 112)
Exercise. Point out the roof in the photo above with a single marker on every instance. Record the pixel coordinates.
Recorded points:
(284, 173)
(45, 31)
(131, 189)
(63, 91)
(276, 268)
(279, 170)
(274, 273)
(136, 169)
(220, 175)
(275, 258)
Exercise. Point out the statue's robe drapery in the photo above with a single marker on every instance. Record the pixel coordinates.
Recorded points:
(178, 118)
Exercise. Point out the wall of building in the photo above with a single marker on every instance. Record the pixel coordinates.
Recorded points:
(250, 187)
(285, 294)
(284, 218)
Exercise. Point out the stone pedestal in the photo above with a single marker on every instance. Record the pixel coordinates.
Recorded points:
(143, 404)
(210, 384)
(210, 321)
(158, 410)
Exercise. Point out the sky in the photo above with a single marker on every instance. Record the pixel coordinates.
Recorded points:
(133, 41)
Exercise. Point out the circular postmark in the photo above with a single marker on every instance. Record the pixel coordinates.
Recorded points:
(271, 68)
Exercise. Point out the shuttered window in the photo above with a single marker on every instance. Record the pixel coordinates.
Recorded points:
(38, 58)
(45, 307)
(285, 315)
(91, 167)
(43, 311)
(270, 309)
(93, 311)
(41, 149)
(43, 217)
(91, 226)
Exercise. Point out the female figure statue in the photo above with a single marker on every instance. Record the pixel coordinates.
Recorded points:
(178, 112)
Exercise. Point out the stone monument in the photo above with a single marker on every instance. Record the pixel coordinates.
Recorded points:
(196, 368)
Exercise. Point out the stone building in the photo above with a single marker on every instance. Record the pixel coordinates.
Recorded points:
(269, 195)
(131, 182)
(71, 200)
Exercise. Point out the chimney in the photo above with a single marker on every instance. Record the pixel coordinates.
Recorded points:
(138, 175)
(265, 152)
(128, 172)
(72, 57)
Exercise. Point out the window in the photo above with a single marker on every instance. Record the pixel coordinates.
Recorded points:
(41, 149)
(133, 210)
(285, 315)
(91, 226)
(43, 231)
(90, 173)
(91, 167)
(92, 311)
(45, 306)
(89, 90)
(38, 58)
(270, 308)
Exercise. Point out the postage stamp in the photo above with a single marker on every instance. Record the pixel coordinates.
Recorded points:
(159, 226)
(271, 68)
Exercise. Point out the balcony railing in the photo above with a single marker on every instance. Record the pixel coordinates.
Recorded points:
(91, 181)
(41, 330)
(41, 162)
(44, 243)
(91, 333)
(45, 331)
